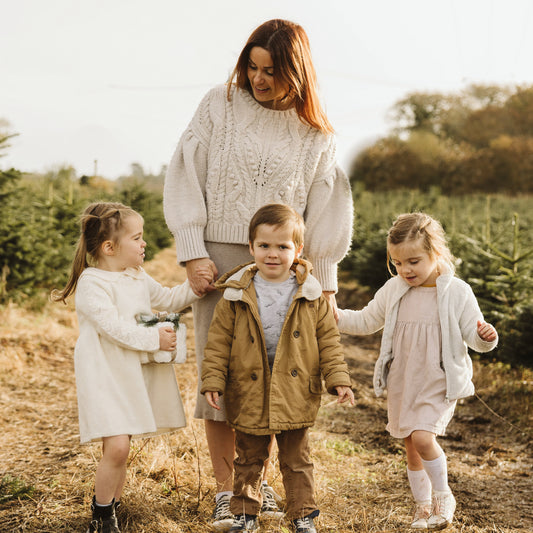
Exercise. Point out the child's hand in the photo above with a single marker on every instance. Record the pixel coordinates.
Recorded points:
(345, 395)
(212, 399)
(486, 331)
(167, 338)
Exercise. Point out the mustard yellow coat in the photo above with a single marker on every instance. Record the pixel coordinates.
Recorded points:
(236, 364)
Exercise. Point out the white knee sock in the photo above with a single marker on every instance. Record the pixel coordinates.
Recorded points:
(437, 471)
(420, 485)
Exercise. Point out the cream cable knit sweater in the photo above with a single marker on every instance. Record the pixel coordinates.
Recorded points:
(236, 156)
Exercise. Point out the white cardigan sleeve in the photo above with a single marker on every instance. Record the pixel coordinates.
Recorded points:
(328, 219)
(184, 190)
(365, 321)
(468, 318)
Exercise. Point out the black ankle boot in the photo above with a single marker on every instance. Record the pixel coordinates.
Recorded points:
(104, 519)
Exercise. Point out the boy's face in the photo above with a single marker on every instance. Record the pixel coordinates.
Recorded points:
(274, 251)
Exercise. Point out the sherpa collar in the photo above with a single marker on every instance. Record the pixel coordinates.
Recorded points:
(236, 281)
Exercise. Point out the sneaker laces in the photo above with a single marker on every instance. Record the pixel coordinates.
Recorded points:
(240, 520)
(222, 509)
(269, 502)
(303, 523)
(441, 504)
(422, 511)
(243, 522)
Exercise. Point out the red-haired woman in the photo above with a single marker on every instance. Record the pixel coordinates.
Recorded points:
(261, 138)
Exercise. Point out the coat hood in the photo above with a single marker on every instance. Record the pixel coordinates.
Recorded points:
(234, 282)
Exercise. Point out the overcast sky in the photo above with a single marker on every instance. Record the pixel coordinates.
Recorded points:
(117, 81)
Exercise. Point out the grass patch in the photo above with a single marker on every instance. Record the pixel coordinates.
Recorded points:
(14, 488)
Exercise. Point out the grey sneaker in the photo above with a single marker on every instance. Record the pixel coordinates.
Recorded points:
(304, 525)
(269, 506)
(244, 522)
(421, 515)
(443, 510)
(222, 519)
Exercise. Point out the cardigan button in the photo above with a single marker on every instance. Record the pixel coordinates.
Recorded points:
(296, 334)
(294, 373)
(254, 376)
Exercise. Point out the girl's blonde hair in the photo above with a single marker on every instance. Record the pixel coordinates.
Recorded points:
(100, 222)
(289, 48)
(414, 226)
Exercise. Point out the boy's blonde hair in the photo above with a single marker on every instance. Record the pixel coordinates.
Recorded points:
(414, 226)
(100, 222)
(278, 215)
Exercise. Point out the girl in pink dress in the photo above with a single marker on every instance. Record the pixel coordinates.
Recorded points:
(429, 319)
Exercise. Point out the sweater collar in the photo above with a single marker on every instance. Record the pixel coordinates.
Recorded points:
(135, 273)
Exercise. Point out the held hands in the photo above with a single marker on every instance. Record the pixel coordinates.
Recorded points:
(212, 399)
(345, 395)
(201, 274)
(167, 338)
(486, 331)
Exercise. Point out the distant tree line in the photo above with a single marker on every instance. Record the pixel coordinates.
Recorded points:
(39, 222)
(480, 140)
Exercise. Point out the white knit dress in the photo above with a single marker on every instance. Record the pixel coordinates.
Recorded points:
(117, 395)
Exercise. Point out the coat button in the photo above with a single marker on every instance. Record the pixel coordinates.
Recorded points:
(294, 373)
(296, 334)
(254, 376)
(252, 339)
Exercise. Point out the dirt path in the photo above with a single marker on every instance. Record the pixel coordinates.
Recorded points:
(360, 470)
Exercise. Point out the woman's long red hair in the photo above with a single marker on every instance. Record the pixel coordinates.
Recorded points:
(289, 48)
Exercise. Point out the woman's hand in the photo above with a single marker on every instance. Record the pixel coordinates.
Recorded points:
(330, 297)
(212, 399)
(201, 274)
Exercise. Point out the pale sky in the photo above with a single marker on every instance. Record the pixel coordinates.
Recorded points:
(117, 81)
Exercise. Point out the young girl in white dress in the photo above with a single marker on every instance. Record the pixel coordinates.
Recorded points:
(118, 397)
(429, 317)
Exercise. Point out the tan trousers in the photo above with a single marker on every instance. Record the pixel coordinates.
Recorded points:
(295, 465)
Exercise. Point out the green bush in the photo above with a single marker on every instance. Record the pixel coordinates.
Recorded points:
(39, 227)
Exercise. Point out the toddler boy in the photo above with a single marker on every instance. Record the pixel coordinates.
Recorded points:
(272, 339)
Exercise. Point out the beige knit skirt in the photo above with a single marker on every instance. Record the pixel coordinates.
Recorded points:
(225, 256)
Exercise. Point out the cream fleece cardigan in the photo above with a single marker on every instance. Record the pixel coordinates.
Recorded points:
(458, 316)
(236, 156)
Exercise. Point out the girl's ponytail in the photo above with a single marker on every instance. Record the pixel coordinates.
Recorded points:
(100, 221)
(78, 266)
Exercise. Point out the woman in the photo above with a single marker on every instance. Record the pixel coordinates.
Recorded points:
(263, 138)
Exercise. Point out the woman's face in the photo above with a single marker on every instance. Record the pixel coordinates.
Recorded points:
(261, 77)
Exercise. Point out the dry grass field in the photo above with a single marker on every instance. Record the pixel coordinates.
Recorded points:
(46, 476)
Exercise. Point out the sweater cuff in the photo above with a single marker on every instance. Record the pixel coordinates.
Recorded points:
(326, 273)
(190, 244)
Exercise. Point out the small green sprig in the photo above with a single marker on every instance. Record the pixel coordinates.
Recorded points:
(150, 320)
